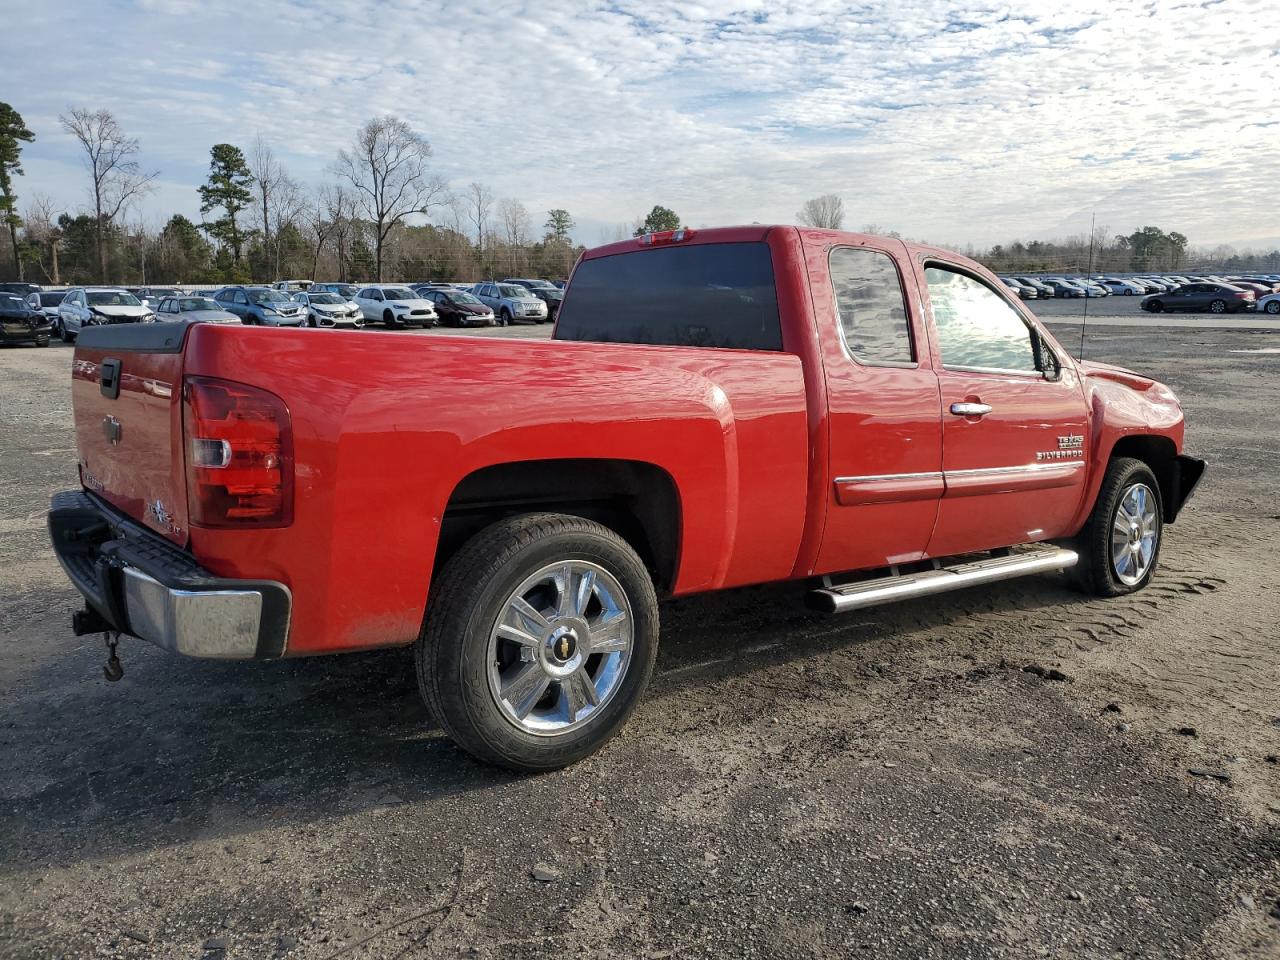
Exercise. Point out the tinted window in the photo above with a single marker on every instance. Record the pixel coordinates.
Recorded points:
(50, 299)
(869, 302)
(976, 327)
(113, 298)
(706, 295)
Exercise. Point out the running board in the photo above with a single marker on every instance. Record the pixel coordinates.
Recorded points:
(908, 586)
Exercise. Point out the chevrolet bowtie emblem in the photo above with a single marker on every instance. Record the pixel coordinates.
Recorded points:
(111, 430)
(562, 648)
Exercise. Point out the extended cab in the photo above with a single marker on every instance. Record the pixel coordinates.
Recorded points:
(717, 408)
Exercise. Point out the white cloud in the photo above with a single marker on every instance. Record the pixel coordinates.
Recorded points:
(959, 122)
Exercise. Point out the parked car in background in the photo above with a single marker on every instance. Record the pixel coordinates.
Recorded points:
(1042, 289)
(21, 289)
(510, 302)
(261, 306)
(393, 305)
(1259, 287)
(1208, 296)
(544, 290)
(46, 302)
(457, 308)
(1062, 287)
(1024, 290)
(22, 323)
(1270, 304)
(326, 309)
(194, 308)
(83, 307)
(1120, 287)
(291, 286)
(347, 291)
(1093, 289)
(560, 284)
(151, 296)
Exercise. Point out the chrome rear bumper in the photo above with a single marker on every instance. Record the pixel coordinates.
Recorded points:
(142, 585)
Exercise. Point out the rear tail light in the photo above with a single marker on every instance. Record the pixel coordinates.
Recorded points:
(663, 237)
(1244, 295)
(239, 455)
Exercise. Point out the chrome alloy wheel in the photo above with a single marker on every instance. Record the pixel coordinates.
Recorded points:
(560, 647)
(1135, 531)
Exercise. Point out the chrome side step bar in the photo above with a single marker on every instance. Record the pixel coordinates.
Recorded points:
(908, 586)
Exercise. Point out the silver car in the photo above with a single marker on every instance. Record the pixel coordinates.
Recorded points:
(510, 302)
(196, 308)
(330, 310)
(46, 302)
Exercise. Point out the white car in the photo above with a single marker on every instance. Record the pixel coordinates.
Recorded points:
(1124, 288)
(88, 306)
(330, 310)
(291, 286)
(395, 305)
(1270, 304)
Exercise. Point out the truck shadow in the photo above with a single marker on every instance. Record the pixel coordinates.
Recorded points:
(183, 749)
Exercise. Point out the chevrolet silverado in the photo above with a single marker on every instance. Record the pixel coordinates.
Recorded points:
(720, 407)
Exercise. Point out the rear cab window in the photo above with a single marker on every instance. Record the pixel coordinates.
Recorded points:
(719, 295)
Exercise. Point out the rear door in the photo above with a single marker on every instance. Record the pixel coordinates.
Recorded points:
(1013, 419)
(882, 395)
(128, 418)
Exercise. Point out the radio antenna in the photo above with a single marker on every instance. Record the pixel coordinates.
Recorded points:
(1088, 277)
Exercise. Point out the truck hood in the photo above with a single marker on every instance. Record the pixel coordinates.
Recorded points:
(1107, 371)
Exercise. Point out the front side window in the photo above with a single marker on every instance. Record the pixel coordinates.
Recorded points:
(870, 305)
(976, 327)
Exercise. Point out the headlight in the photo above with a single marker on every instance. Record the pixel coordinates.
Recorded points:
(269, 311)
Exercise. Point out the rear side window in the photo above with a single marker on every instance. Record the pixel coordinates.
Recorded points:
(705, 295)
(873, 314)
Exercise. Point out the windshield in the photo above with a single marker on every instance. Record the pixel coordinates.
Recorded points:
(163, 292)
(399, 293)
(538, 284)
(51, 299)
(511, 290)
(188, 304)
(464, 298)
(112, 298)
(11, 301)
(324, 298)
(346, 289)
(267, 296)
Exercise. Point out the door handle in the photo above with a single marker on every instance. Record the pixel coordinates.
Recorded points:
(971, 409)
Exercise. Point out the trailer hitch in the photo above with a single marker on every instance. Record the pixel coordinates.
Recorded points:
(112, 670)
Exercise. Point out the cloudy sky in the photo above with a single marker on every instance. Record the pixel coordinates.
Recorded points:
(955, 122)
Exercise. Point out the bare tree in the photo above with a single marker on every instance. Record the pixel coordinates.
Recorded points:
(517, 226)
(42, 234)
(117, 177)
(269, 177)
(477, 200)
(826, 211)
(387, 168)
(338, 209)
(290, 210)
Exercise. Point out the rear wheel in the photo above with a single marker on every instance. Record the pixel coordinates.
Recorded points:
(1218, 306)
(1273, 307)
(538, 642)
(1119, 546)
(1155, 306)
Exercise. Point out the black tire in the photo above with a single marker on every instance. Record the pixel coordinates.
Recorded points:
(42, 341)
(63, 335)
(1273, 307)
(1155, 306)
(505, 317)
(470, 593)
(1218, 306)
(312, 321)
(389, 319)
(1095, 572)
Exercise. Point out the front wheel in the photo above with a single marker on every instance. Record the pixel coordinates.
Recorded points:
(1119, 546)
(538, 642)
(1155, 306)
(505, 317)
(1218, 306)
(389, 319)
(1273, 307)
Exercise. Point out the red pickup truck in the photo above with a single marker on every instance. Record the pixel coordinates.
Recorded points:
(717, 408)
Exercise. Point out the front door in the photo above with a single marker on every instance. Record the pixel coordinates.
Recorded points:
(1013, 420)
(885, 433)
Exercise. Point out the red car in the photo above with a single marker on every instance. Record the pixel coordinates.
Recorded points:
(718, 407)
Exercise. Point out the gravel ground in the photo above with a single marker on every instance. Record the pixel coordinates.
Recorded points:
(891, 783)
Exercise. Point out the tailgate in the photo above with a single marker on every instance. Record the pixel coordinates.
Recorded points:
(127, 392)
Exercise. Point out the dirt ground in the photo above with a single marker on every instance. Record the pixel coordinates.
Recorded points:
(890, 783)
